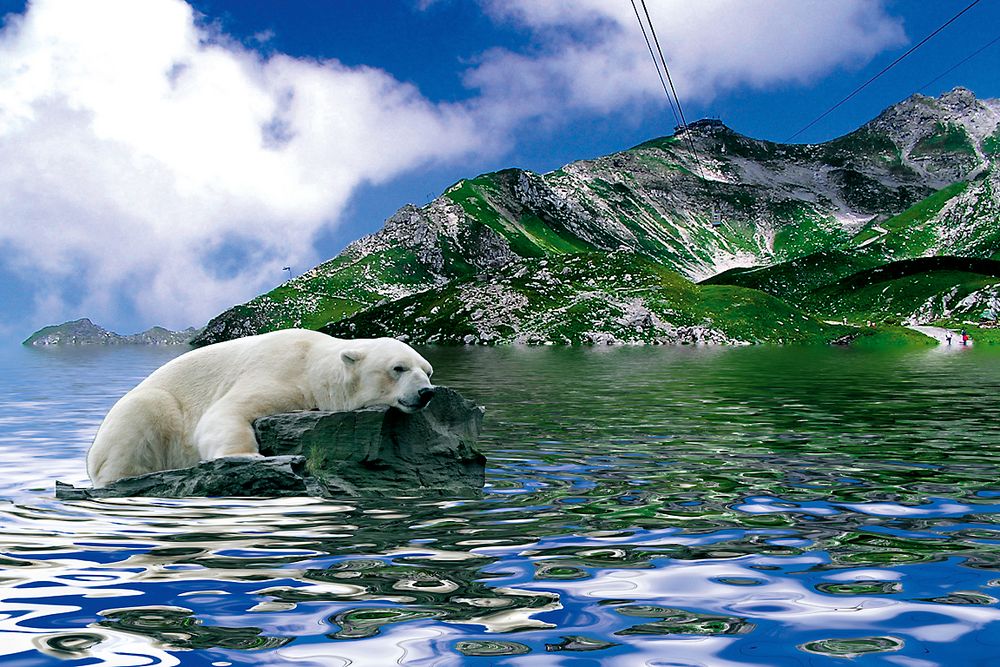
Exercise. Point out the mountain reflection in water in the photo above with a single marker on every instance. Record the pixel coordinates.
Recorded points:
(711, 506)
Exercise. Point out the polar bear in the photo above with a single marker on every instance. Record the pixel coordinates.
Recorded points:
(202, 404)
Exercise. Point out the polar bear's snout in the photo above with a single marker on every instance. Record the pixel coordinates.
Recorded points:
(425, 395)
(417, 401)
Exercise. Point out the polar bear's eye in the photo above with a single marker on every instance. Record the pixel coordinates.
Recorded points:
(399, 369)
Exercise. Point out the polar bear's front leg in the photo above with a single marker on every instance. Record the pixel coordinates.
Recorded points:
(221, 433)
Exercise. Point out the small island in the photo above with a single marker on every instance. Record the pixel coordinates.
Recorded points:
(85, 332)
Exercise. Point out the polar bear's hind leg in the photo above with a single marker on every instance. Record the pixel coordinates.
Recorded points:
(137, 437)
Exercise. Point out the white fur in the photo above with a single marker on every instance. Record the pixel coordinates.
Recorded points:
(202, 404)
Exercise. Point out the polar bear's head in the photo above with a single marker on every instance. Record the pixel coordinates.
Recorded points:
(386, 371)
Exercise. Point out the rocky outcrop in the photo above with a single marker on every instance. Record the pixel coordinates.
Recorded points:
(383, 450)
(375, 451)
(228, 476)
(85, 332)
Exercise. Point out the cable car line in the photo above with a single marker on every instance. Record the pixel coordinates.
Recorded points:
(673, 109)
(960, 63)
(666, 70)
(656, 41)
(884, 70)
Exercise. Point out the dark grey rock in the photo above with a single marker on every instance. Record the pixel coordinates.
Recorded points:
(376, 451)
(228, 476)
(384, 450)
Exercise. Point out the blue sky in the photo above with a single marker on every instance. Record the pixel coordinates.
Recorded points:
(168, 158)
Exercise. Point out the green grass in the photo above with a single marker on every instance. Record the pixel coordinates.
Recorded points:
(947, 138)
(754, 316)
(836, 285)
(803, 232)
(334, 290)
(545, 237)
(794, 279)
(891, 336)
(991, 144)
(659, 142)
(898, 299)
(469, 195)
(907, 234)
(899, 290)
(528, 235)
(925, 209)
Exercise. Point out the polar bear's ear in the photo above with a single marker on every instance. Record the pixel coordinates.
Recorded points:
(351, 357)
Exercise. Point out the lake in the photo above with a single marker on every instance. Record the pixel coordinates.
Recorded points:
(644, 506)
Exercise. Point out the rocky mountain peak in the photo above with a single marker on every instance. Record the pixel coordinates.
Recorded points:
(919, 117)
(704, 126)
(959, 98)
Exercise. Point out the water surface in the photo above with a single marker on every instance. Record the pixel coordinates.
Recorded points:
(644, 506)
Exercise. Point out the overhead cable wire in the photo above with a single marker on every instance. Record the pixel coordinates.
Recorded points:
(666, 70)
(677, 100)
(659, 73)
(656, 41)
(885, 69)
(959, 63)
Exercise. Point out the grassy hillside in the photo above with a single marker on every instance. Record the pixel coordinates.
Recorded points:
(333, 290)
(794, 279)
(911, 233)
(887, 336)
(901, 299)
(835, 286)
(587, 298)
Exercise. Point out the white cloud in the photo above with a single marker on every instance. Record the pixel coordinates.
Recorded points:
(137, 145)
(152, 165)
(591, 55)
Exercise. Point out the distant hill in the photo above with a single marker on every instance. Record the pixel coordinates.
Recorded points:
(85, 332)
(609, 250)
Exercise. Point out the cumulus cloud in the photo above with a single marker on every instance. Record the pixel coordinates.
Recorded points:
(590, 55)
(148, 157)
(152, 165)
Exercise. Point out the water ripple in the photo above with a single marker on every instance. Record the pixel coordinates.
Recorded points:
(720, 507)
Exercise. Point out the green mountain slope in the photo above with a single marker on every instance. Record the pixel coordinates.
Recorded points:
(836, 286)
(794, 279)
(918, 180)
(586, 298)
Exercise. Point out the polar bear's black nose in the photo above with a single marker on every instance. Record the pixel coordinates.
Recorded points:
(425, 395)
